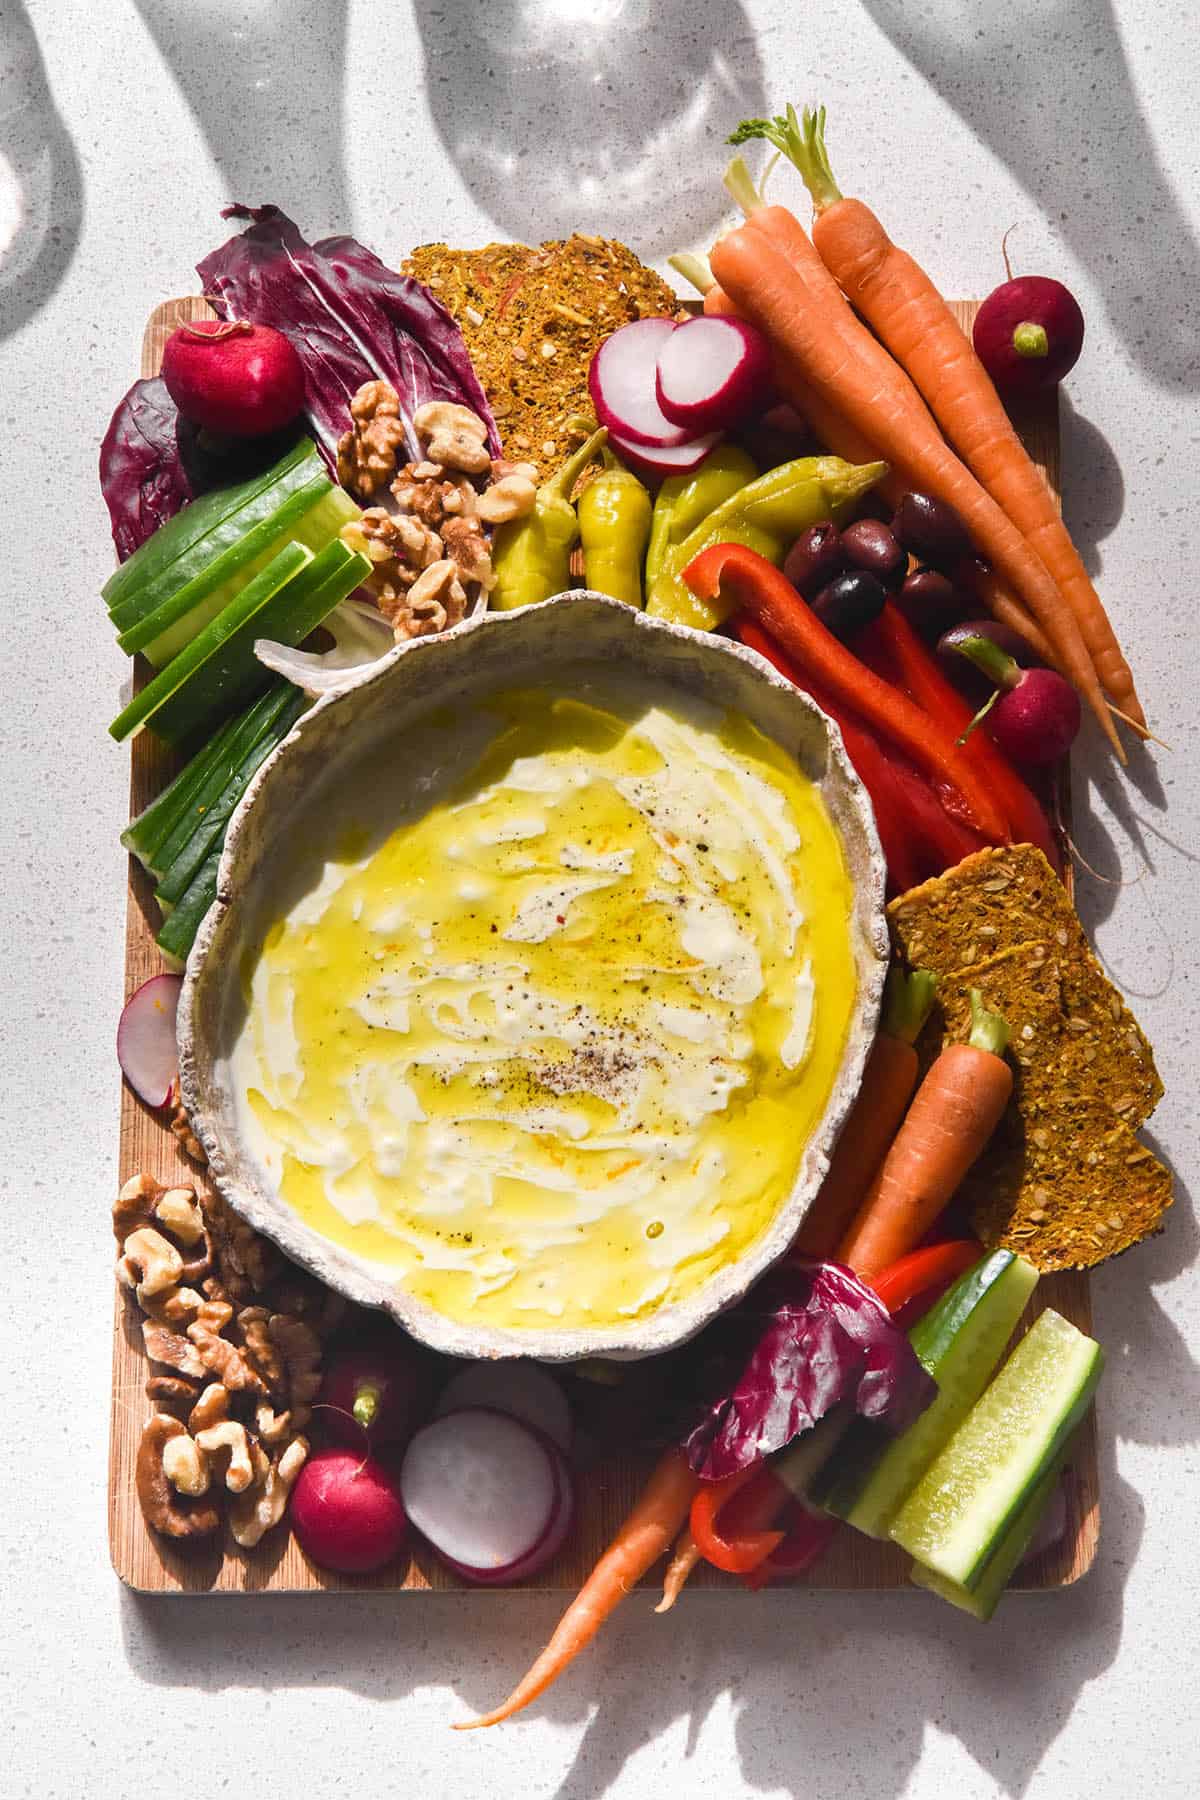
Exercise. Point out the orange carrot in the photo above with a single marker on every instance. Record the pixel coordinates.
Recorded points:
(956, 1109)
(905, 309)
(684, 1558)
(645, 1535)
(873, 1121)
(763, 287)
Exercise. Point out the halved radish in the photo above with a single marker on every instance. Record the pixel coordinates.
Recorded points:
(712, 373)
(522, 1389)
(656, 464)
(146, 1039)
(492, 1496)
(621, 381)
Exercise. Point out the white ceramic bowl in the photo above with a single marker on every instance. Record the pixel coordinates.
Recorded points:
(488, 652)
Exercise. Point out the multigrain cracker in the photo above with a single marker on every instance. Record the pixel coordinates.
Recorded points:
(1065, 1180)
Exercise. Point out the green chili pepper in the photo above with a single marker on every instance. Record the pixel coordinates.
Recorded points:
(614, 523)
(684, 500)
(767, 516)
(531, 557)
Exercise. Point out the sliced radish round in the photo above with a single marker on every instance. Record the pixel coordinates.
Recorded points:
(712, 373)
(621, 381)
(487, 1492)
(524, 1390)
(146, 1039)
(657, 464)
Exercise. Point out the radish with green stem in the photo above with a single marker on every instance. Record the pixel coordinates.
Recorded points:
(1033, 716)
(369, 1398)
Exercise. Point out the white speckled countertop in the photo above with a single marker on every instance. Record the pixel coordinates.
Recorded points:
(124, 125)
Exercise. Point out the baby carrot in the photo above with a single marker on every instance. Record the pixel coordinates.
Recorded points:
(956, 1109)
(647, 1533)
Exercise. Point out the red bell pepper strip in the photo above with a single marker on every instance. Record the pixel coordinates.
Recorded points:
(913, 668)
(729, 1518)
(760, 589)
(806, 1538)
(944, 839)
(873, 766)
(924, 1274)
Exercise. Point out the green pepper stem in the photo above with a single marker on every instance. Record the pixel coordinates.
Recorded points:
(366, 1404)
(559, 486)
(694, 269)
(989, 1030)
(803, 143)
(907, 1002)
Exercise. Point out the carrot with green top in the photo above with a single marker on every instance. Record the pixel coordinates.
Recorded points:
(646, 1534)
(908, 314)
(762, 285)
(956, 1109)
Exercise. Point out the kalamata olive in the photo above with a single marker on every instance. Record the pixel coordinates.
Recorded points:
(815, 558)
(931, 529)
(930, 603)
(869, 545)
(849, 602)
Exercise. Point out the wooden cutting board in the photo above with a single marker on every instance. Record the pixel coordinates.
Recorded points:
(152, 1565)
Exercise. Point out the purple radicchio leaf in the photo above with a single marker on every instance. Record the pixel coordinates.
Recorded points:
(814, 1337)
(349, 317)
(142, 473)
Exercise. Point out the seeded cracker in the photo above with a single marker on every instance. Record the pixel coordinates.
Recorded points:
(532, 319)
(1065, 1181)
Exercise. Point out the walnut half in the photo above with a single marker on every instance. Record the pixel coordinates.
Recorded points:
(174, 1515)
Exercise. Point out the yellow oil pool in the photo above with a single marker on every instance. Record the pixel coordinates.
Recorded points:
(545, 1045)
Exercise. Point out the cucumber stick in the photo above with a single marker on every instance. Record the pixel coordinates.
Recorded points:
(143, 836)
(959, 1514)
(178, 932)
(316, 526)
(185, 544)
(981, 1601)
(184, 667)
(240, 561)
(208, 825)
(248, 729)
(959, 1341)
(232, 672)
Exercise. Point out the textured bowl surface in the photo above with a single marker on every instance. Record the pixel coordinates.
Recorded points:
(385, 705)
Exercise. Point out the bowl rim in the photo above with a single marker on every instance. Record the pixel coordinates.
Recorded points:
(667, 1326)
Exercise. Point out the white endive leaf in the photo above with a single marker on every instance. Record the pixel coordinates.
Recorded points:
(361, 637)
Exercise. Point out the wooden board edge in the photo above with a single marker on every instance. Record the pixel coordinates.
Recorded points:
(147, 1565)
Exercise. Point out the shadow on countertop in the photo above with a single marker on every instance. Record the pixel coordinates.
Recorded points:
(41, 184)
(569, 116)
(1101, 184)
(266, 86)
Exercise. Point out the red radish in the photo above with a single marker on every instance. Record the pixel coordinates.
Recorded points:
(656, 464)
(713, 373)
(621, 381)
(368, 1390)
(234, 378)
(1028, 334)
(1033, 716)
(492, 1496)
(346, 1511)
(524, 1390)
(146, 1039)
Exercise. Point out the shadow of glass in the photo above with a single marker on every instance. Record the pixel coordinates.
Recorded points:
(1008, 71)
(41, 186)
(265, 84)
(569, 115)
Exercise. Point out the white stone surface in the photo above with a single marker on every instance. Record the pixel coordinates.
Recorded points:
(123, 127)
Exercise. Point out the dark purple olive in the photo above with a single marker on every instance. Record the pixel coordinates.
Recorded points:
(930, 603)
(931, 530)
(815, 558)
(849, 603)
(970, 681)
(869, 545)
